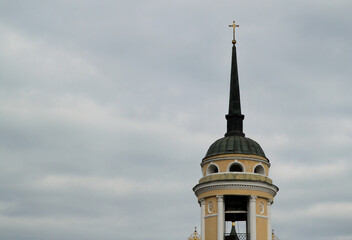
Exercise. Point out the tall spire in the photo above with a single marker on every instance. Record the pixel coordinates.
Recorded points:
(235, 117)
(233, 234)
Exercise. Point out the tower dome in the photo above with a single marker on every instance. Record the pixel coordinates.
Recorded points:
(235, 144)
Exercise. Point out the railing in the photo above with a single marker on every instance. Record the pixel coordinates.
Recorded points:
(241, 236)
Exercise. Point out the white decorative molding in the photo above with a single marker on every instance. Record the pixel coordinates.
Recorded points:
(246, 185)
(220, 198)
(252, 217)
(235, 158)
(262, 216)
(261, 208)
(239, 211)
(211, 215)
(252, 198)
(202, 205)
(221, 217)
(212, 164)
(268, 213)
(259, 164)
(210, 207)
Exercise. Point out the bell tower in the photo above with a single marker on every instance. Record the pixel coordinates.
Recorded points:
(235, 188)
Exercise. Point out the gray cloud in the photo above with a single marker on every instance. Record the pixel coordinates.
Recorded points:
(107, 109)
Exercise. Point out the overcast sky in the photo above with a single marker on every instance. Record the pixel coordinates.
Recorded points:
(108, 107)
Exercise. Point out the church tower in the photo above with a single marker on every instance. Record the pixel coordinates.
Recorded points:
(235, 188)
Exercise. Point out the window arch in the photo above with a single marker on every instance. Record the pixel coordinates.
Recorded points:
(236, 167)
(212, 168)
(259, 169)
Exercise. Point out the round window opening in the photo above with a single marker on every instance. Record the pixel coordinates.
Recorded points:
(259, 169)
(236, 168)
(212, 169)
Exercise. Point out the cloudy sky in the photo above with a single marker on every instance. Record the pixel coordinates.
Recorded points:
(108, 107)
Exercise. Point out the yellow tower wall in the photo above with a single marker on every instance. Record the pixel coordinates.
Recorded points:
(262, 220)
(211, 219)
(262, 228)
(211, 228)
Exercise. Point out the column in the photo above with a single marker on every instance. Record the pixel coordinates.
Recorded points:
(202, 207)
(268, 210)
(221, 217)
(252, 218)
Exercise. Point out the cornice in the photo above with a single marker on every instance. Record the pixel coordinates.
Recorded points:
(241, 185)
(231, 176)
(205, 161)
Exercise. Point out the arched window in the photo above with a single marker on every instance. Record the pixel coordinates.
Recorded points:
(236, 167)
(259, 169)
(212, 169)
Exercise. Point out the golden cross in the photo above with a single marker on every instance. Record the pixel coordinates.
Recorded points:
(234, 26)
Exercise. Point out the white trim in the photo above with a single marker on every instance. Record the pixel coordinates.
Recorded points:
(261, 216)
(210, 204)
(238, 163)
(268, 213)
(202, 206)
(247, 173)
(252, 217)
(236, 211)
(248, 185)
(221, 217)
(259, 164)
(261, 204)
(211, 215)
(234, 158)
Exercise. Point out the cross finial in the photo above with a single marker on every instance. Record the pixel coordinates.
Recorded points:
(234, 26)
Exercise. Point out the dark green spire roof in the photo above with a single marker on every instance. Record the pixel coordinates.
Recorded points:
(233, 233)
(235, 144)
(235, 141)
(235, 117)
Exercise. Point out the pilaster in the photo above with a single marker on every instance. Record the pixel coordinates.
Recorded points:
(221, 217)
(252, 218)
(268, 210)
(202, 207)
